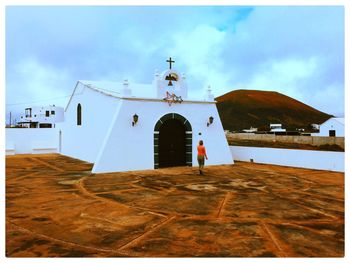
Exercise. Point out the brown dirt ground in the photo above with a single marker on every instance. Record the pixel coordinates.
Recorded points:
(56, 208)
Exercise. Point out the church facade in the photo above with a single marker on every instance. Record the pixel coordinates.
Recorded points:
(126, 126)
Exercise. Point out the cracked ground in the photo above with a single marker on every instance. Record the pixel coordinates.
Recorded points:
(56, 208)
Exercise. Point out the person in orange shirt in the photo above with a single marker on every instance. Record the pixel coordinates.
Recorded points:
(201, 155)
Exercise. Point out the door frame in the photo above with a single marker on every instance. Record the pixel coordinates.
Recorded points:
(188, 137)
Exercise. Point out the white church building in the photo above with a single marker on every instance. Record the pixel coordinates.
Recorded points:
(128, 126)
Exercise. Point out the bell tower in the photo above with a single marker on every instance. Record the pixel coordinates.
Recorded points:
(170, 81)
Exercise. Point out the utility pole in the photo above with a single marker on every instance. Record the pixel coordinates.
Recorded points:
(10, 118)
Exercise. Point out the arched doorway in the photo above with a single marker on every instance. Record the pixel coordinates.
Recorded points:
(172, 141)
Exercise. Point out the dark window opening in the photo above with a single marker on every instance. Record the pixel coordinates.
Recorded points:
(47, 113)
(52, 112)
(79, 114)
(28, 112)
(45, 125)
(332, 133)
(33, 125)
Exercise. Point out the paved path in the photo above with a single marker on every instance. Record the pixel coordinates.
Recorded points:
(56, 208)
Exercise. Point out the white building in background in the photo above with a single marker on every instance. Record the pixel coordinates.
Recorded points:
(42, 117)
(276, 128)
(251, 130)
(128, 126)
(333, 127)
(315, 126)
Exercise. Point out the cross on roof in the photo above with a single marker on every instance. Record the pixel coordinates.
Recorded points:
(170, 61)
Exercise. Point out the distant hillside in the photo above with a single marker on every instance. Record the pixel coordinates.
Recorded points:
(241, 109)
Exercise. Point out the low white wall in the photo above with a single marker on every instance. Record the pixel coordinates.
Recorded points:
(320, 160)
(311, 140)
(22, 140)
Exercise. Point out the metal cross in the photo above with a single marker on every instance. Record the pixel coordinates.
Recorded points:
(170, 61)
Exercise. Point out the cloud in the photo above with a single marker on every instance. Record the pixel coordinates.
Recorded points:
(34, 83)
(198, 51)
(284, 74)
(298, 51)
(335, 100)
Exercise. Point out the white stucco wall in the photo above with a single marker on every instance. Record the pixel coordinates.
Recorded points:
(83, 142)
(321, 160)
(332, 124)
(26, 140)
(128, 147)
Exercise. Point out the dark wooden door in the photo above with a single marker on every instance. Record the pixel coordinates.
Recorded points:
(172, 149)
(332, 133)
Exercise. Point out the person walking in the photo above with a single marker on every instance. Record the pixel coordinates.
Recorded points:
(201, 155)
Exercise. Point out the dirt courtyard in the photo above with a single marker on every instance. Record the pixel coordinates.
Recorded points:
(56, 208)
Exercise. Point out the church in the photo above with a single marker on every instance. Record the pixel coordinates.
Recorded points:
(128, 126)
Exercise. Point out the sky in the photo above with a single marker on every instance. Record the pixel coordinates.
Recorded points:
(295, 50)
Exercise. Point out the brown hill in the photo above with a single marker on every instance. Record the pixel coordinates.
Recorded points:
(241, 109)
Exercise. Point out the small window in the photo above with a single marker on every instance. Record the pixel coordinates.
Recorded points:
(28, 112)
(34, 115)
(52, 112)
(79, 114)
(47, 113)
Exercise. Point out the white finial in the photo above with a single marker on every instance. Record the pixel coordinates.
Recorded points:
(210, 96)
(126, 83)
(126, 90)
